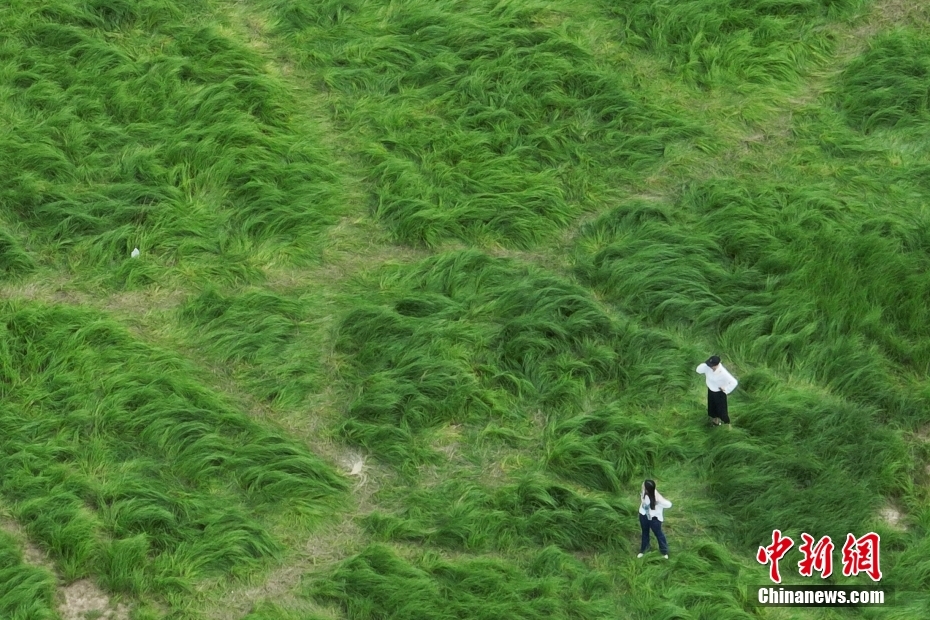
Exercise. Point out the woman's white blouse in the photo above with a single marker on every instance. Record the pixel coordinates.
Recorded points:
(716, 379)
(661, 504)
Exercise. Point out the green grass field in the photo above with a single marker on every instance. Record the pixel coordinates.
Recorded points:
(420, 292)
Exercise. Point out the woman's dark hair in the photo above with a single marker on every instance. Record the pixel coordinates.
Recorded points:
(651, 492)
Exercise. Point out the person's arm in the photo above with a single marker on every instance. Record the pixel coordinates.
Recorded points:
(702, 369)
(661, 501)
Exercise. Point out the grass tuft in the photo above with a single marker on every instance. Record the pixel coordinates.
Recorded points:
(377, 583)
(124, 467)
(889, 84)
(532, 511)
(477, 121)
(26, 592)
(266, 334)
(607, 448)
(167, 136)
(14, 260)
(726, 43)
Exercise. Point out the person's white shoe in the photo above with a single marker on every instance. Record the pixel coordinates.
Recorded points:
(639, 555)
(665, 556)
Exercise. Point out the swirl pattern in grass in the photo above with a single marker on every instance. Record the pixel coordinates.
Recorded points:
(464, 336)
(480, 121)
(26, 592)
(125, 468)
(889, 84)
(727, 43)
(140, 124)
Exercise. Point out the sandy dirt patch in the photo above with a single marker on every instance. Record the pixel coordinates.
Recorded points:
(83, 600)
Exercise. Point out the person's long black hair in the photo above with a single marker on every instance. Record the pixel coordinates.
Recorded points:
(651, 492)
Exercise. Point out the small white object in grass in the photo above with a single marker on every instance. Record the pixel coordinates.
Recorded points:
(135, 253)
(358, 471)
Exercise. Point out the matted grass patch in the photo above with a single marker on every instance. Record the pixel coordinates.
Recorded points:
(606, 448)
(481, 121)
(773, 270)
(889, 84)
(121, 465)
(731, 43)
(141, 124)
(464, 336)
(532, 510)
(26, 592)
(379, 584)
(269, 337)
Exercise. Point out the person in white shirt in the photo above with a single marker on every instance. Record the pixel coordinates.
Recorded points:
(719, 383)
(651, 506)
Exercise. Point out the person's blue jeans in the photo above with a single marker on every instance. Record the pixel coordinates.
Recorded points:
(656, 526)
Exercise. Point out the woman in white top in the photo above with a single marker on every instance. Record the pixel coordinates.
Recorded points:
(651, 505)
(719, 383)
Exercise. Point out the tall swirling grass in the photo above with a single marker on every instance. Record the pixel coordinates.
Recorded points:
(121, 465)
(379, 584)
(478, 120)
(550, 583)
(463, 334)
(889, 84)
(524, 398)
(26, 592)
(726, 43)
(825, 302)
(605, 449)
(464, 515)
(264, 334)
(139, 125)
(796, 279)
